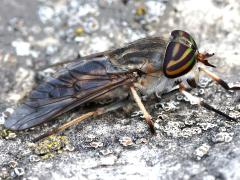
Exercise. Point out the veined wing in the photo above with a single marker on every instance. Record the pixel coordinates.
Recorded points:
(79, 83)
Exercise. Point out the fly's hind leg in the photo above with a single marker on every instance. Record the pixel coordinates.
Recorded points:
(200, 102)
(98, 111)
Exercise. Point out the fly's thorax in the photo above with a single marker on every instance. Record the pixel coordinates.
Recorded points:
(149, 84)
(139, 54)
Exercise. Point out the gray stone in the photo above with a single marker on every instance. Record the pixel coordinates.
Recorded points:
(190, 142)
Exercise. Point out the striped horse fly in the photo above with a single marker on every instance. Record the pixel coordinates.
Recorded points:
(147, 66)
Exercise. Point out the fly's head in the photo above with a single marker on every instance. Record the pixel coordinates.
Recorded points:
(182, 58)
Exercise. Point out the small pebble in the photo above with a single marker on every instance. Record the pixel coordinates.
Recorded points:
(201, 91)
(141, 141)
(136, 114)
(90, 138)
(96, 144)
(4, 173)
(202, 151)
(188, 132)
(190, 121)
(186, 99)
(106, 152)
(206, 126)
(91, 25)
(19, 171)
(169, 106)
(45, 13)
(203, 82)
(126, 141)
(31, 144)
(155, 8)
(22, 48)
(34, 158)
(223, 137)
(180, 97)
(209, 177)
(69, 147)
(13, 164)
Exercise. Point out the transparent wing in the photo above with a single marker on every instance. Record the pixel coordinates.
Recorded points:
(77, 84)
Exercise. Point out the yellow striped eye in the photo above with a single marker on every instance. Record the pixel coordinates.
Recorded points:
(180, 57)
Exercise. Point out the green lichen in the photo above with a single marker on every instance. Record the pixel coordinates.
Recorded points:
(141, 11)
(7, 134)
(51, 146)
(79, 31)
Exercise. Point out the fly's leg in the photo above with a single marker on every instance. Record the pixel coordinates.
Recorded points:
(64, 126)
(200, 102)
(147, 116)
(167, 94)
(218, 80)
(98, 111)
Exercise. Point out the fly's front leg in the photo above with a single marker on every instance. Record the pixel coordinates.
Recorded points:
(200, 102)
(147, 116)
(218, 79)
(98, 111)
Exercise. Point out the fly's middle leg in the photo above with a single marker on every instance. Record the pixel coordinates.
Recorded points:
(147, 116)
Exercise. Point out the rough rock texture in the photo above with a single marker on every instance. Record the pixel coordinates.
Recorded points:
(191, 142)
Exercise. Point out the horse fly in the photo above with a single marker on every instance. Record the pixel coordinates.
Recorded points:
(147, 66)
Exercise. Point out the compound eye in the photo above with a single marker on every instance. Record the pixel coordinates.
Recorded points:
(179, 59)
(183, 38)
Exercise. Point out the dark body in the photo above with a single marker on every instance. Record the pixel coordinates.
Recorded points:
(98, 77)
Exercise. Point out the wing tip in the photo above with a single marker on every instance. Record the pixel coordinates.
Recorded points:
(12, 125)
(16, 120)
